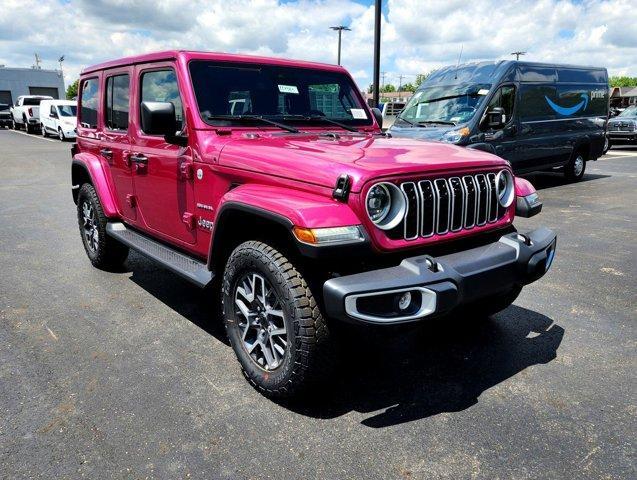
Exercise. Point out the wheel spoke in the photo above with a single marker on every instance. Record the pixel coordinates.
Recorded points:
(243, 309)
(277, 331)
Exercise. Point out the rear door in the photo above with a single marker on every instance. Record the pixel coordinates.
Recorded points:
(164, 194)
(115, 137)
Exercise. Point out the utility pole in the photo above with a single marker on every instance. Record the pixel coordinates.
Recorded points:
(517, 54)
(38, 61)
(400, 81)
(382, 83)
(377, 17)
(340, 29)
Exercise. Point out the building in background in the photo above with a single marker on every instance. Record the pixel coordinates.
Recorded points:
(621, 97)
(29, 81)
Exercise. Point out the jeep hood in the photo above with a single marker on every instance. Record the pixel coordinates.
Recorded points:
(320, 159)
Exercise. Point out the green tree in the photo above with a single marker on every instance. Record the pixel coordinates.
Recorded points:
(388, 88)
(408, 87)
(421, 77)
(370, 89)
(622, 81)
(71, 91)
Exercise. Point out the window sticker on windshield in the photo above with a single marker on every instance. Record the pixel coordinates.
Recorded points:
(358, 113)
(288, 89)
(483, 91)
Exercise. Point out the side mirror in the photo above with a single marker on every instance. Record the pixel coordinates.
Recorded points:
(53, 115)
(378, 116)
(495, 118)
(159, 118)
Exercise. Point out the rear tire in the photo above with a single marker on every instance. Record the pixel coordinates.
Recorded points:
(264, 293)
(575, 168)
(27, 127)
(103, 251)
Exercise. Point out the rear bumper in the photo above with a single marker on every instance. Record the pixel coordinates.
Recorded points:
(438, 285)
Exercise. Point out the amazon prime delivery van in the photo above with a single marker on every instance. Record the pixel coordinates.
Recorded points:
(537, 116)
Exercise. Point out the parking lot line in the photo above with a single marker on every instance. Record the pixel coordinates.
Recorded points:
(39, 137)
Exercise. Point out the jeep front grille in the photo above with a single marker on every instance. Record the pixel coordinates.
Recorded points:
(444, 205)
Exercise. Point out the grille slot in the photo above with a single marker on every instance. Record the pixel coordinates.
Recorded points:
(443, 205)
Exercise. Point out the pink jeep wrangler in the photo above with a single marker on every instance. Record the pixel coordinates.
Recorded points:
(272, 179)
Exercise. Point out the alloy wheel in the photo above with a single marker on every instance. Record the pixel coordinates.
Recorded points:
(578, 166)
(260, 320)
(89, 225)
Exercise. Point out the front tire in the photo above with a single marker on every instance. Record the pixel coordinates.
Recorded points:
(61, 135)
(575, 168)
(103, 251)
(273, 322)
(43, 131)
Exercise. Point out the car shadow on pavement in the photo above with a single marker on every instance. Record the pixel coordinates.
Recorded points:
(200, 306)
(415, 373)
(395, 374)
(543, 180)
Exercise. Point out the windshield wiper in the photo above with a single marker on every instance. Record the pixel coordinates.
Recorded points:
(257, 118)
(398, 117)
(321, 118)
(436, 122)
(448, 97)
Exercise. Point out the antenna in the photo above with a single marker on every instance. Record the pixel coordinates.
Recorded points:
(458, 64)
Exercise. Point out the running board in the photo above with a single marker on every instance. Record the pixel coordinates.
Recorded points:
(187, 267)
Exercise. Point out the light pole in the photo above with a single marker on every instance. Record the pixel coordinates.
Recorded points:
(377, 16)
(340, 29)
(517, 54)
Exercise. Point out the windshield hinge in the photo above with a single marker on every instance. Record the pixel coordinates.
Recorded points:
(341, 190)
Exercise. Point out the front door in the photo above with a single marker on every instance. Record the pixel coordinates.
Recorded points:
(504, 140)
(115, 138)
(164, 194)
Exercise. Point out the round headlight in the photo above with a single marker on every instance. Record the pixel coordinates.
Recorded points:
(385, 205)
(505, 188)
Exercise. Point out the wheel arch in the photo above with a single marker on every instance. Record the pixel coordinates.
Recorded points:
(85, 168)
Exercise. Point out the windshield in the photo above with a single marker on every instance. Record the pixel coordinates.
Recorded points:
(33, 101)
(290, 94)
(629, 112)
(67, 110)
(444, 104)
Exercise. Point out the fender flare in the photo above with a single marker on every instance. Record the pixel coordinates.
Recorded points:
(283, 206)
(93, 168)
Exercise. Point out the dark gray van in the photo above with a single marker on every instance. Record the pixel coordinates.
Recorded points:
(537, 116)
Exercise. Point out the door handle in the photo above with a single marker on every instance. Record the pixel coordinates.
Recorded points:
(106, 153)
(139, 159)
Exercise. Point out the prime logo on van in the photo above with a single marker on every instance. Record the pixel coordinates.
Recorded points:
(568, 111)
(580, 106)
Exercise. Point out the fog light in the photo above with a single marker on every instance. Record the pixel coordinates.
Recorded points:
(404, 301)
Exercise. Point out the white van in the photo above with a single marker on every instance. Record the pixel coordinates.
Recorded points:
(58, 117)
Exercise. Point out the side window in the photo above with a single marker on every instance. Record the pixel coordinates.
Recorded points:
(88, 105)
(161, 86)
(504, 98)
(117, 96)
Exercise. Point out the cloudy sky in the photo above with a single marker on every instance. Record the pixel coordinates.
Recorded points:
(418, 35)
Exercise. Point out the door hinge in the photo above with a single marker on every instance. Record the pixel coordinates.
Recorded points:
(186, 170)
(131, 200)
(189, 219)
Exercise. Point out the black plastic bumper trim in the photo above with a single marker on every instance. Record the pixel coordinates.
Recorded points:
(463, 277)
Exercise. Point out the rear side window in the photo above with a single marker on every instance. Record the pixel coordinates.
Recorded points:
(88, 105)
(161, 86)
(117, 105)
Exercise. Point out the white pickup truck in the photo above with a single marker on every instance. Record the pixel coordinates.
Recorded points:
(26, 112)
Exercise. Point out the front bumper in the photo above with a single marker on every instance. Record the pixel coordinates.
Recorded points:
(442, 283)
(622, 136)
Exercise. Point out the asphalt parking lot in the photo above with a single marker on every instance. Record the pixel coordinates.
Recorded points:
(128, 375)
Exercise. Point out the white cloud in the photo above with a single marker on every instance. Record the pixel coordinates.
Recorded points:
(418, 35)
